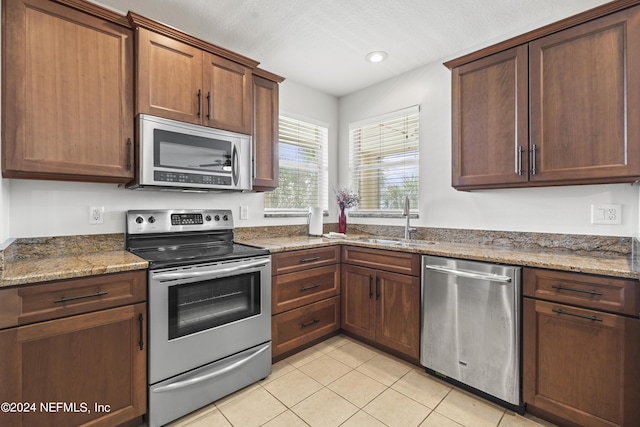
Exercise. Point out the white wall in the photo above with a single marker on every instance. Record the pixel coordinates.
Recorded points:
(55, 208)
(550, 209)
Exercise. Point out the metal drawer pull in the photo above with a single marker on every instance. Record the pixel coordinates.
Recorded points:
(315, 258)
(305, 325)
(562, 288)
(533, 159)
(582, 316)
(141, 342)
(97, 294)
(519, 165)
(306, 288)
(370, 288)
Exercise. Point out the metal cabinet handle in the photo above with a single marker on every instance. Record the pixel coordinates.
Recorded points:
(519, 160)
(209, 105)
(370, 286)
(306, 288)
(310, 323)
(65, 299)
(199, 102)
(377, 288)
(141, 342)
(582, 316)
(583, 291)
(315, 258)
(534, 150)
(129, 154)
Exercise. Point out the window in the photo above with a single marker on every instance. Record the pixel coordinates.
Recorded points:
(384, 161)
(303, 149)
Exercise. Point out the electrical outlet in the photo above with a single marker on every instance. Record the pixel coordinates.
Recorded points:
(96, 215)
(606, 214)
(244, 212)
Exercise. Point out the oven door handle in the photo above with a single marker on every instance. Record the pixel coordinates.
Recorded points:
(200, 274)
(210, 375)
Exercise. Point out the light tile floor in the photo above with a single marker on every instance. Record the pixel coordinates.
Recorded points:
(342, 382)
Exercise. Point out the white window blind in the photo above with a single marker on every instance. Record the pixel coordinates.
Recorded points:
(303, 181)
(384, 160)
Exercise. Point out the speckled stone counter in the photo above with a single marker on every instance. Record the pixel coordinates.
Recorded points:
(34, 260)
(602, 255)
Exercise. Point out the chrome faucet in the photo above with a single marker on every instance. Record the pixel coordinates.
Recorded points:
(406, 212)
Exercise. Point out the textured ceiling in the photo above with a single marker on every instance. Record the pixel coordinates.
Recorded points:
(322, 43)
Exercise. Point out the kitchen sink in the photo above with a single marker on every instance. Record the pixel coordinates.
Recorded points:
(399, 242)
(382, 241)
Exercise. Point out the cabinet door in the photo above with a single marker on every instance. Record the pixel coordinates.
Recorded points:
(227, 95)
(581, 365)
(265, 134)
(585, 102)
(490, 121)
(67, 94)
(169, 77)
(358, 301)
(398, 312)
(94, 363)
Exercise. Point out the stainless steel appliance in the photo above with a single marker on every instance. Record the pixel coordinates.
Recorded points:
(173, 155)
(209, 304)
(471, 326)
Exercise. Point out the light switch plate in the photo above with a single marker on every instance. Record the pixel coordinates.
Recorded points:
(244, 212)
(606, 214)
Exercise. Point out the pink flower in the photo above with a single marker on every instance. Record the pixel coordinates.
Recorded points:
(347, 198)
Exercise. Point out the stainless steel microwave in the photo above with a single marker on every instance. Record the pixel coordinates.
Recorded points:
(175, 155)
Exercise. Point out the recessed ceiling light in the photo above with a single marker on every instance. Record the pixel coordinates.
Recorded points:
(376, 56)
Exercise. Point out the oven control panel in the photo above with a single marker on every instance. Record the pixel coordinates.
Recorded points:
(167, 221)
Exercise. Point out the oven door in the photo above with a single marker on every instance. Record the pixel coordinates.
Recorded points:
(200, 314)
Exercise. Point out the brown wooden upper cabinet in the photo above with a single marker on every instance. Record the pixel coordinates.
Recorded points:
(560, 109)
(180, 81)
(67, 92)
(265, 130)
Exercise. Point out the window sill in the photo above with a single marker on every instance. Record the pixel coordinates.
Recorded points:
(291, 214)
(379, 214)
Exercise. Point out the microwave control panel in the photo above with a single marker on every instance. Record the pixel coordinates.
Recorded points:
(191, 178)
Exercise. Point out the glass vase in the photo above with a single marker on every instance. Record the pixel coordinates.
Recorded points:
(342, 221)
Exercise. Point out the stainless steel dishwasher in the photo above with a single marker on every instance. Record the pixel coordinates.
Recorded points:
(471, 326)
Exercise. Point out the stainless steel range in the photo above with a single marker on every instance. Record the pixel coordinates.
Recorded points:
(209, 306)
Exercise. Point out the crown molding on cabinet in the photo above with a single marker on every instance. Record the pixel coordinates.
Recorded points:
(138, 21)
(96, 10)
(563, 24)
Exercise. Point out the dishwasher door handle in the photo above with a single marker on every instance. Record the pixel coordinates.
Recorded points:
(469, 274)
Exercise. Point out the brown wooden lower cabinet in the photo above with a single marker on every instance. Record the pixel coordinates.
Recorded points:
(581, 365)
(382, 307)
(294, 328)
(88, 369)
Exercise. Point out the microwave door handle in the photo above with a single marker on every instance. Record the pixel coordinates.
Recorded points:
(234, 165)
(200, 274)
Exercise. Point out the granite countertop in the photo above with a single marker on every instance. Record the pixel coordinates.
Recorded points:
(68, 267)
(37, 260)
(34, 260)
(617, 265)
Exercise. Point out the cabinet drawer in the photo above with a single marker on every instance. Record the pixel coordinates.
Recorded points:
(288, 262)
(40, 302)
(302, 325)
(304, 287)
(598, 292)
(397, 262)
